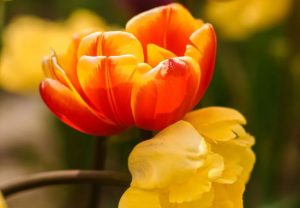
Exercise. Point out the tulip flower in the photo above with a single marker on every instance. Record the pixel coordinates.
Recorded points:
(169, 32)
(202, 161)
(107, 82)
(20, 67)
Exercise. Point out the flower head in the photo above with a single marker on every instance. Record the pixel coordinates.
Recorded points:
(204, 161)
(109, 81)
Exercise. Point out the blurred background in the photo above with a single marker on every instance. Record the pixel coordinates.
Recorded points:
(257, 72)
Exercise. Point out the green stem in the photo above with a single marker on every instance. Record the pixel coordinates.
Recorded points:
(99, 164)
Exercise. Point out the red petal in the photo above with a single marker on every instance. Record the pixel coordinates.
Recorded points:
(113, 43)
(67, 106)
(164, 94)
(107, 82)
(168, 27)
(205, 41)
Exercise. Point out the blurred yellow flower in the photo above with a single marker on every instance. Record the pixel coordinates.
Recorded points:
(239, 19)
(27, 39)
(2, 201)
(202, 161)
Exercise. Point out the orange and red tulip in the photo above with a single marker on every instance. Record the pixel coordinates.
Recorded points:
(149, 76)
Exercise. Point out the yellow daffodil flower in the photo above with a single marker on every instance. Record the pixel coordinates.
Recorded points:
(2, 201)
(239, 19)
(202, 161)
(27, 39)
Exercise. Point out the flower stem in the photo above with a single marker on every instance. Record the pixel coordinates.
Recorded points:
(99, 164)
(145, 134)
(65, 177)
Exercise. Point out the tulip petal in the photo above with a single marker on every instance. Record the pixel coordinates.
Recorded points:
(54, 71)
(196, 186)
(164, 94)
(158, 162)
(113, 43)
(157, 54)
(137, 198)
(107, 82)
(68, 60)
(168, 27)
(205, 41)
(73, 111)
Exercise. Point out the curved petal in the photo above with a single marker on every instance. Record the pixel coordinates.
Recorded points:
(203, 49)
(238, 160)
(206, 201)
(72, 111)
(229, 196)
(68, 60)
(107, 82)
(135, 198)
(157, 54)
(167, 26)
(164, 94)
(113, 43)
(205, 117)
(171, 157)
(200, 183)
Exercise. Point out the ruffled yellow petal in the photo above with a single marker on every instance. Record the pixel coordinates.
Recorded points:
(239, 161)
(200, 183)
(229, 196)
(2, 201)
(189, 170)
(209, 115)
(137, 198)
(169, 158)
(217, 123)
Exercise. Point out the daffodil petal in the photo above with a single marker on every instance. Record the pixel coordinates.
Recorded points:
(171, 156)
(221, 131)
(228, 195)
(209, 115)
(137, 198)
(238, 160)
(198, 184)
(205, 201)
